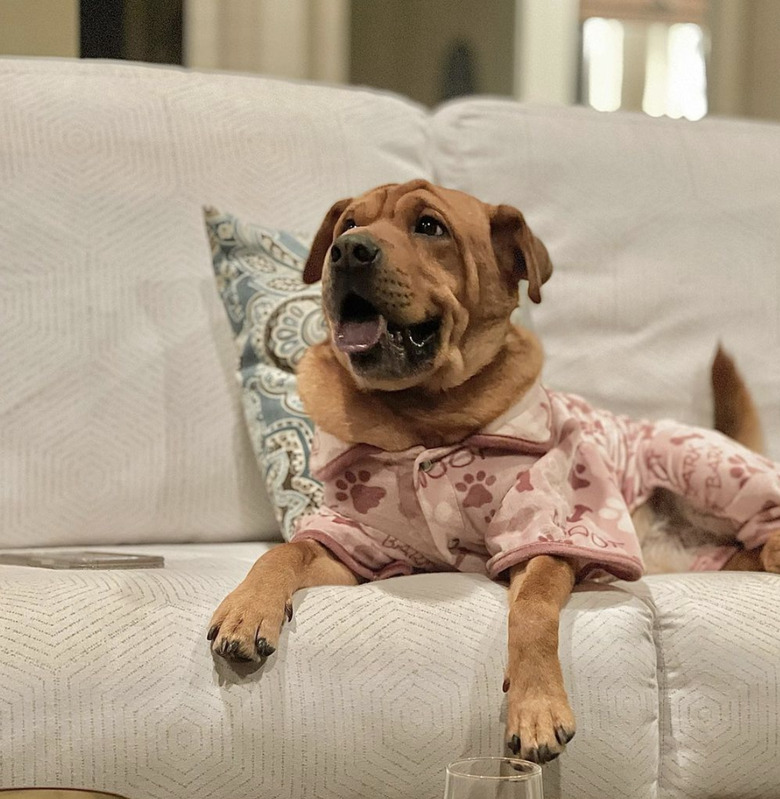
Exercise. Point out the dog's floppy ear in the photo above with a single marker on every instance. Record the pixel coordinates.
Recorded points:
(312, 272)
(518, 251)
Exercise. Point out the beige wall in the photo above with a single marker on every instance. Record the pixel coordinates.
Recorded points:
(763, 60)
(725, 66)
(305, 39)
(39, 27)
(745, 58)
(547, 42)
(401, 45)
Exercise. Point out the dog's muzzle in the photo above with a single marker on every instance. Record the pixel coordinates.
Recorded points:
(353, 260)
(364, 326)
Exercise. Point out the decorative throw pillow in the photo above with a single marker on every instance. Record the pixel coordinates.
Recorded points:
(275, 316)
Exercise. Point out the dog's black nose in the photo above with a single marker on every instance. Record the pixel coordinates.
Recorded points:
(354, 249)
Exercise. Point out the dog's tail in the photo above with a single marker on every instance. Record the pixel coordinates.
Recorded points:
(735, 412)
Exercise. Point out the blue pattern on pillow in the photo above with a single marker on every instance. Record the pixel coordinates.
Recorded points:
(274, 317)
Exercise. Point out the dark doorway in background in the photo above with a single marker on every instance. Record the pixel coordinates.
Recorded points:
(135, 30)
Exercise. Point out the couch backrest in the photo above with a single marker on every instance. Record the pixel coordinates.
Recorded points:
(665, 236)
(119, 413)
(120, 418)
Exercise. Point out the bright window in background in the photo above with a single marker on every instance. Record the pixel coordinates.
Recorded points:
(686, 73)
(642, 55)
(602, 53)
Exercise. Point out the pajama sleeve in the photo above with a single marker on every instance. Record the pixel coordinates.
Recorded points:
(367, 552)
(567, 504)
(718, 476)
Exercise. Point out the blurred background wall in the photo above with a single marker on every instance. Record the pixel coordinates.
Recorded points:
(39, 27)
(434, 49)
(675, 57)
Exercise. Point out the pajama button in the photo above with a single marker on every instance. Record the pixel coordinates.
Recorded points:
(426, 466)
(453, 543)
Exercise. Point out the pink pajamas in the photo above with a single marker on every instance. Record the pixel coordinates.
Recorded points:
(551, 476)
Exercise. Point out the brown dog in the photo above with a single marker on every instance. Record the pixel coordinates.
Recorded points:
(418, 286)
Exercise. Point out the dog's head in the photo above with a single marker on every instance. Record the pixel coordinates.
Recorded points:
(419, 282)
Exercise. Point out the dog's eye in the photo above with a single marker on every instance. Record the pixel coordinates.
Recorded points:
(428, 226)
(348, 225)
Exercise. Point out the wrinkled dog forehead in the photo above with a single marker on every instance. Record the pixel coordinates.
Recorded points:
(401, 201)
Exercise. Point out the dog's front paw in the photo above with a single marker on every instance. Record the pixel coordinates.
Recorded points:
(770, 553)
(245, 627)
(539, 724)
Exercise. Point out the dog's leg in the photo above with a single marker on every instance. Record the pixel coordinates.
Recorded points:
(766, 559)
(770, 553)
(246, 626)
(539, 720)
(744, 560)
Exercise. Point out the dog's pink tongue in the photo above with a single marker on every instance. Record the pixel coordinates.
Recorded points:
(359, 336)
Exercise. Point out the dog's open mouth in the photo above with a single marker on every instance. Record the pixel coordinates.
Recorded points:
(361, 327)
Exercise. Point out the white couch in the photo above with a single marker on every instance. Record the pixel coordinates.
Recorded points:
(120, 425)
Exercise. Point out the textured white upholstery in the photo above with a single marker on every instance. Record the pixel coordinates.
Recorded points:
(719, 652)
(664, 236)
(110, 684)
(120, 422)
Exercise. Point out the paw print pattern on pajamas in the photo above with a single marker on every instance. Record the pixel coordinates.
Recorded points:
(740, 470)
(576, 477)
(476, 487)
(355, 487)
(524, 482)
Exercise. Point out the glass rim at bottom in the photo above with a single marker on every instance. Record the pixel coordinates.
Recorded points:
(530, 770)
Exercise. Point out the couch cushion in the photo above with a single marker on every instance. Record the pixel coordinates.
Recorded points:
(120, 415)
(108, 683)
(665, 240)
(718, 638)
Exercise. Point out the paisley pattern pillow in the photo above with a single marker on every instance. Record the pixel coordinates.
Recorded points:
(274, 317)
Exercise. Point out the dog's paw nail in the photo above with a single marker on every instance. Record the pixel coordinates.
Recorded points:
(226, 649)
(563, 735)
(212, 633)
(264, 649)
(514, 745)
(288, 609)
(544, 755)
(505, 686)
(231, 650)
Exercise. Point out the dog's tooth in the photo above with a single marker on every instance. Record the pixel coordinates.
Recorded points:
(417, 344)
